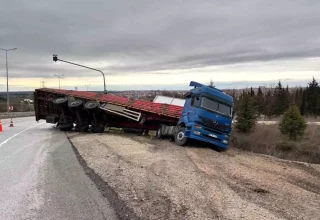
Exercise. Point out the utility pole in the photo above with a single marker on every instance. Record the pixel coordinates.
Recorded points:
(55, 59)
(87, 86)
(42, 84)
(7, 75)
(59, 76)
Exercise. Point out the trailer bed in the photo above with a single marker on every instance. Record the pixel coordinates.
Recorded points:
(171, 111)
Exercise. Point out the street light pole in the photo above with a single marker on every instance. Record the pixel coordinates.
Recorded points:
(55, 59)
(59, 76)
(7, 75)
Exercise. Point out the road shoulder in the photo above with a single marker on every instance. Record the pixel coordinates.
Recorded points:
(159, 180)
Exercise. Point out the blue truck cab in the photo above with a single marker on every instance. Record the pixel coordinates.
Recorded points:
(206, 116)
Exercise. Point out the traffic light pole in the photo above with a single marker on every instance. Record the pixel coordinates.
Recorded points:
(55, 59)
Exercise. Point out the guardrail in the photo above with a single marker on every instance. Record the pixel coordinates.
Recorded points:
(16, 114)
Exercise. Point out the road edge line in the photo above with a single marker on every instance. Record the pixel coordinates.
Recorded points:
(16, 134)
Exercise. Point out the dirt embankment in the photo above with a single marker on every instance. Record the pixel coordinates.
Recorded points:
(159, 180)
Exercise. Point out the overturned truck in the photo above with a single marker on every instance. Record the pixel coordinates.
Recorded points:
(206, 114)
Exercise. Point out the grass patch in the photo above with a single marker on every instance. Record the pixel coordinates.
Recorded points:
(267, 139)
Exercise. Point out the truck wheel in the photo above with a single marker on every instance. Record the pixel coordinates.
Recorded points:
(76, 104)
(60, 101)
(92, 106)
(67, 127)
(159, 133)
(97, 128)
(179, 137)
(219, 149)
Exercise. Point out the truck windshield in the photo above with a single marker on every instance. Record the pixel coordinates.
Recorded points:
(216, 106)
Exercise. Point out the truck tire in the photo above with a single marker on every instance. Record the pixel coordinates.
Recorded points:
(219, 149)
(159, 133)
(98, 130)
(75, 105)
(179, 137)
(60, 101)
(67, 127)
(92, 106)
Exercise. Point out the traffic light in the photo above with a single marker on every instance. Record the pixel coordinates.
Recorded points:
(55, 58)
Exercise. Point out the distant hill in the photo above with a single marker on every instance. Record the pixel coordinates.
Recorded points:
(17, 94)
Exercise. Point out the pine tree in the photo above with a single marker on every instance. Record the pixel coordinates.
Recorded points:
(288, 100)
(246, 116)
(292, 123)
(211, 84)
(296, 98)
(303, 103)
(313, 97)
(268, 104)
(251, 92)
(281, 102)
(260, 101)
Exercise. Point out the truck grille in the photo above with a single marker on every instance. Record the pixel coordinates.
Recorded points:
(214, 124)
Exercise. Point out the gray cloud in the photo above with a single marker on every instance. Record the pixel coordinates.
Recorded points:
(154, 35)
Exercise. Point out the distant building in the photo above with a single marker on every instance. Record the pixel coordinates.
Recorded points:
(28, 100)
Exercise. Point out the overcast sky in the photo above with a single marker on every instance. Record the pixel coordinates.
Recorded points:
(155, 44)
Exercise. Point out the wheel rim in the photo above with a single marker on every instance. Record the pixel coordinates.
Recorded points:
(91, 105)
(158, 133)
(180, 135)
(75, 103)
(60, 100)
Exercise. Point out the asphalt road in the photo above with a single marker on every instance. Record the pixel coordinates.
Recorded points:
(41, 178)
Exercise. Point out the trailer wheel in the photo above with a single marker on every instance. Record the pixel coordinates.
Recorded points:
(66, 127)
(159, 133)
(179, 137)
(92, 106)
(60, 101)
(98, 130)
(76, 104)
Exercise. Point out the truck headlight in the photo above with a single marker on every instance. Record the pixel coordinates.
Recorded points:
(197, 132)
(225, 141)
(198, 126)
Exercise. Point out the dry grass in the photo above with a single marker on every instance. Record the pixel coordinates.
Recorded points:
(267, 139)
(278, 118)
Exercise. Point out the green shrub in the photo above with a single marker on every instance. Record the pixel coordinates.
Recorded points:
(292, 123)
(247, 114)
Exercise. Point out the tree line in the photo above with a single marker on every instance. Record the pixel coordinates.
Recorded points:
(291, 105)
(274, 102)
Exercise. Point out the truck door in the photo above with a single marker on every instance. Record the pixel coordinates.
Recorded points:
(193, 106)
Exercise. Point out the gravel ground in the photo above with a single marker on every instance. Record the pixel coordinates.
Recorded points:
(156, 179)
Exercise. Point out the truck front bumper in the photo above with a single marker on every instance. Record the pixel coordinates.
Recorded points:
(202, 134)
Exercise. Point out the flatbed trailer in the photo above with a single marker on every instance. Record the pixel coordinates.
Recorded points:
(126, 113)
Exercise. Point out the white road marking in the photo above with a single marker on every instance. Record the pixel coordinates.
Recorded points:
(4, 142)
